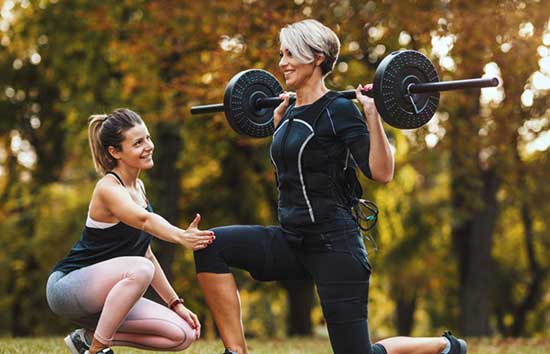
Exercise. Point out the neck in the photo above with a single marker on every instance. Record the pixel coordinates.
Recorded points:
(310, 91)
(128, 175)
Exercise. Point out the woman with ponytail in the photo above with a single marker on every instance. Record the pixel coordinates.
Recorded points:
(100, 283)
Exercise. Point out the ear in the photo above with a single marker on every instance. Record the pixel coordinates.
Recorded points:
(114, 152)
(319, 59)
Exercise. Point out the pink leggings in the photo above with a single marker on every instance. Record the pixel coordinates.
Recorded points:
(112, 290)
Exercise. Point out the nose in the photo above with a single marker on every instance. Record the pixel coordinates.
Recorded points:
(150, 145)
(282, 62)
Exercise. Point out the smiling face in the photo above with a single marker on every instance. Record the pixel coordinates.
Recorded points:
(296, 73)
(136, 148)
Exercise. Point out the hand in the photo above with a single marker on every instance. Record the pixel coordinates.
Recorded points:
(366, 101)
(279, 112)
(190, 318)
(196, 239)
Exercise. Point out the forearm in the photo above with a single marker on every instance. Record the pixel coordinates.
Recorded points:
(159, 227)
(160, 282)
(381, 159)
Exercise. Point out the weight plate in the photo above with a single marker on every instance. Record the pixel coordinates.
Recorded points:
(394, 74)
(239, 100)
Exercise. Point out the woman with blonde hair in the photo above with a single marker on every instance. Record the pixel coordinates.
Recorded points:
(318, 143)
(100, 283)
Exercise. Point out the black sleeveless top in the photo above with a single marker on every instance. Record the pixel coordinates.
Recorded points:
(98, 245)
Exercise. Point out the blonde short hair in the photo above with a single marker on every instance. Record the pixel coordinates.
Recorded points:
(305, 39)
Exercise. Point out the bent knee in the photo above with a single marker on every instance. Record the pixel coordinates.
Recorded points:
(141, 270)
(341, 311)
(182, 336)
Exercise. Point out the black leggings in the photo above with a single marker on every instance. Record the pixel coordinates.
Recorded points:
(336, 261)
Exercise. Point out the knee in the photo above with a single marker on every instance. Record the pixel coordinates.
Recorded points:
(142, 270)
(210, 259)
(339, 311)
(183, 337)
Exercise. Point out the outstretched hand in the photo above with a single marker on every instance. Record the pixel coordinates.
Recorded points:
(196, 239)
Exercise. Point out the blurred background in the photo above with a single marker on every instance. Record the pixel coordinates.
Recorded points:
(463, 235)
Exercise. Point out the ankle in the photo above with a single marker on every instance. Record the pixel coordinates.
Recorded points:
(235, 350)
(96, 346)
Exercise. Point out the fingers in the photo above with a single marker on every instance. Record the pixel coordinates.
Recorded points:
(197, 324)
(201, 242)
(360, 90)
(285, 97)
(195, 223)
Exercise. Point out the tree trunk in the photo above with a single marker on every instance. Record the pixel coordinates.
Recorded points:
(473, 239)
(165, 190)
(533, 292)
(406, 306)
(300, 302)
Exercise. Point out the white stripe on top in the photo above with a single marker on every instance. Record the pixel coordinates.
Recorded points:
(310, 136)
(98, 224)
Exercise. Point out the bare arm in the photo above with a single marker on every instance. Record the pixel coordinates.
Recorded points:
(160, 283)
(381, 161)
(120, 204)
(165, 290)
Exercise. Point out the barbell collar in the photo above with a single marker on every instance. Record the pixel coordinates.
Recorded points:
(452, 85)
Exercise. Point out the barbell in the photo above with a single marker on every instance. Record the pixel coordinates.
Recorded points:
(405, 90)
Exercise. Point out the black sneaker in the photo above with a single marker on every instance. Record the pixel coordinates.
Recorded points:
(227, 351)
(458, 346)
(76, 341)
(102, 351)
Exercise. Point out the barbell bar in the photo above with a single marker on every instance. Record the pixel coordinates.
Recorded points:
(405, 90)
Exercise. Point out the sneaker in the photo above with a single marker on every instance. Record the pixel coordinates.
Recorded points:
(227, 351)
(77, 342)
(458, 346)
(102, 351)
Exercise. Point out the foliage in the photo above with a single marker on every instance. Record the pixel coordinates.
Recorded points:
(160, 57)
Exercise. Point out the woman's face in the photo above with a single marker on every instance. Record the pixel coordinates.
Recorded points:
(296, 74)
(137, 148)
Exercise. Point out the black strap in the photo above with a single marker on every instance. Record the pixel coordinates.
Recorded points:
(319, 108)
(117, 177)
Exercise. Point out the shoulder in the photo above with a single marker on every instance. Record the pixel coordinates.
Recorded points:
(107, 185)
(343, 106)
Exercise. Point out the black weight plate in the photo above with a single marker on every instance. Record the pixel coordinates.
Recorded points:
(393, 75)
(239, 97)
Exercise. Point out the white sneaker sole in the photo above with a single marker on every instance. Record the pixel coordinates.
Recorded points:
(70, 345)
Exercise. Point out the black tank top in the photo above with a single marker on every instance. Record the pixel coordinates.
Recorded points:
(98, 245)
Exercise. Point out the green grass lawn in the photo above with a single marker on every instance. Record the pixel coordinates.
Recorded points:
(273, 346)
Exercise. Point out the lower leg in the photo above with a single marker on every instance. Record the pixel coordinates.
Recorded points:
(96, 346)
(222, 297)
(410, 345)
(152, 326)
(119, 301)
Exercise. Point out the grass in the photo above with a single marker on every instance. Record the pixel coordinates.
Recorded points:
(274, 346)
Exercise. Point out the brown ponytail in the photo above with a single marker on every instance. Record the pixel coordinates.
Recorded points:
(108, 130)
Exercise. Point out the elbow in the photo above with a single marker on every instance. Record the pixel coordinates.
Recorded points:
(383, 178)
(143, 222)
